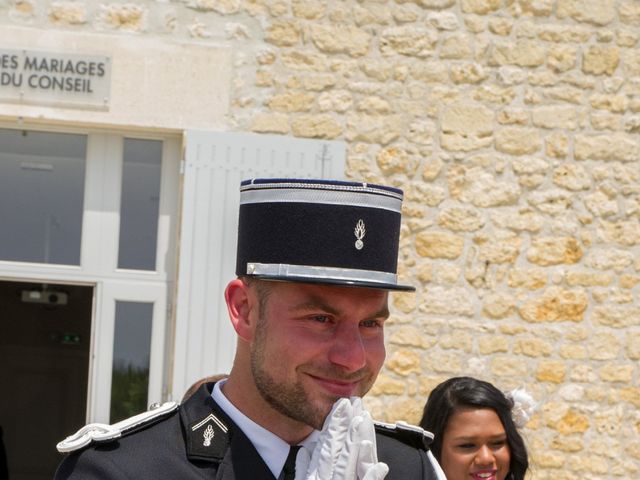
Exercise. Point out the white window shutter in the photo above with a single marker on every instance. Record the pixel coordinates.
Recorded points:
(214, 165)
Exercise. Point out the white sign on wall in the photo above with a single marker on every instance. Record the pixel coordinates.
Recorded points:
(62, 79)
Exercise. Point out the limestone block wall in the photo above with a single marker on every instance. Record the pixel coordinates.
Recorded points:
(512, 126)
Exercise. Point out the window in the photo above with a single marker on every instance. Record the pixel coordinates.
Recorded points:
(139, 203)
(41, 196)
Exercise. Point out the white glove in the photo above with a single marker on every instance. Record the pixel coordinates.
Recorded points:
(368, 466)
(332, 439)
(346, 447)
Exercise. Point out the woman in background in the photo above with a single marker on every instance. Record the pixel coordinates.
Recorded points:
(476, 430)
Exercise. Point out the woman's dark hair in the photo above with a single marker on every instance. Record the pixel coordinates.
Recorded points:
(467, 392)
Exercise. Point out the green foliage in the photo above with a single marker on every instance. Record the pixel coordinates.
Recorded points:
(129, 388)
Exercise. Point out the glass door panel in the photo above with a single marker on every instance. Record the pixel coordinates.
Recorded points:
(131, 357)
(45, 336)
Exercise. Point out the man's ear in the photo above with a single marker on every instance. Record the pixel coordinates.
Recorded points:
(240, 301)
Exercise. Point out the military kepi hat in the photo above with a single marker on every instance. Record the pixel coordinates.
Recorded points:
(320, 231)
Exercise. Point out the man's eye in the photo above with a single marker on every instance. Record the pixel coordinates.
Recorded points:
(320, 318)
(371, 323)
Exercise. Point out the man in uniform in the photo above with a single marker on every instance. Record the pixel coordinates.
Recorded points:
(315, 262)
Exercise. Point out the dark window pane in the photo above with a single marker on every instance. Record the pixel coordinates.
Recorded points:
(140, 200)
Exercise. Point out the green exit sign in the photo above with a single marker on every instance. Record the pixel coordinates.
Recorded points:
(70, 339)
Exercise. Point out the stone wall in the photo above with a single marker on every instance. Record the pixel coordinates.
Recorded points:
(513, 128)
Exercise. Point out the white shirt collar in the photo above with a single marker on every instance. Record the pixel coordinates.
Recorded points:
(272, 449)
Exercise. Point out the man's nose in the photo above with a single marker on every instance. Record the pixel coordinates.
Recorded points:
(348, 349)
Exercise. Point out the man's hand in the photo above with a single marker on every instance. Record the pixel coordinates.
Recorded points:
(346, 447)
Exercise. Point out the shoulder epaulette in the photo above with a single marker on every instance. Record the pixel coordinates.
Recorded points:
(101, 432)
(409, 434)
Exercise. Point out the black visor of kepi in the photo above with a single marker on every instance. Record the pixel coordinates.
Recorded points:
(320, 231)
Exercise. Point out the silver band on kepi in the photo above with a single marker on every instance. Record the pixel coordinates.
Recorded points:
(332, 197)
(293, 272)
(318, 185)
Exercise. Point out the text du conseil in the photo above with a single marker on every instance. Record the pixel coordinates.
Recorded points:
(43, 73)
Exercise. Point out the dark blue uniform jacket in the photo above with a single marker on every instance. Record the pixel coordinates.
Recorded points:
(175, 447)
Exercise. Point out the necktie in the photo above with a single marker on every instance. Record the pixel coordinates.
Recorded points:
(289, 469)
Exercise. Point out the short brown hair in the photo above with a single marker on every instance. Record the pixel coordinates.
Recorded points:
(193, 388)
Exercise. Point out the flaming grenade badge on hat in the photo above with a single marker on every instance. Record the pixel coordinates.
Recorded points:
(360, 231)
(303, 231)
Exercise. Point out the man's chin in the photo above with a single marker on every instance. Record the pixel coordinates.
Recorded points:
(323, 400)
(327, 407)
(316, 416)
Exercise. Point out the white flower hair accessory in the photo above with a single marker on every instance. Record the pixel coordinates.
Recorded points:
(523, 406)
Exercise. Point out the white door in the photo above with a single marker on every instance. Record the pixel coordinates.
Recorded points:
(130, 339)
(97, 209)
(214, 165)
